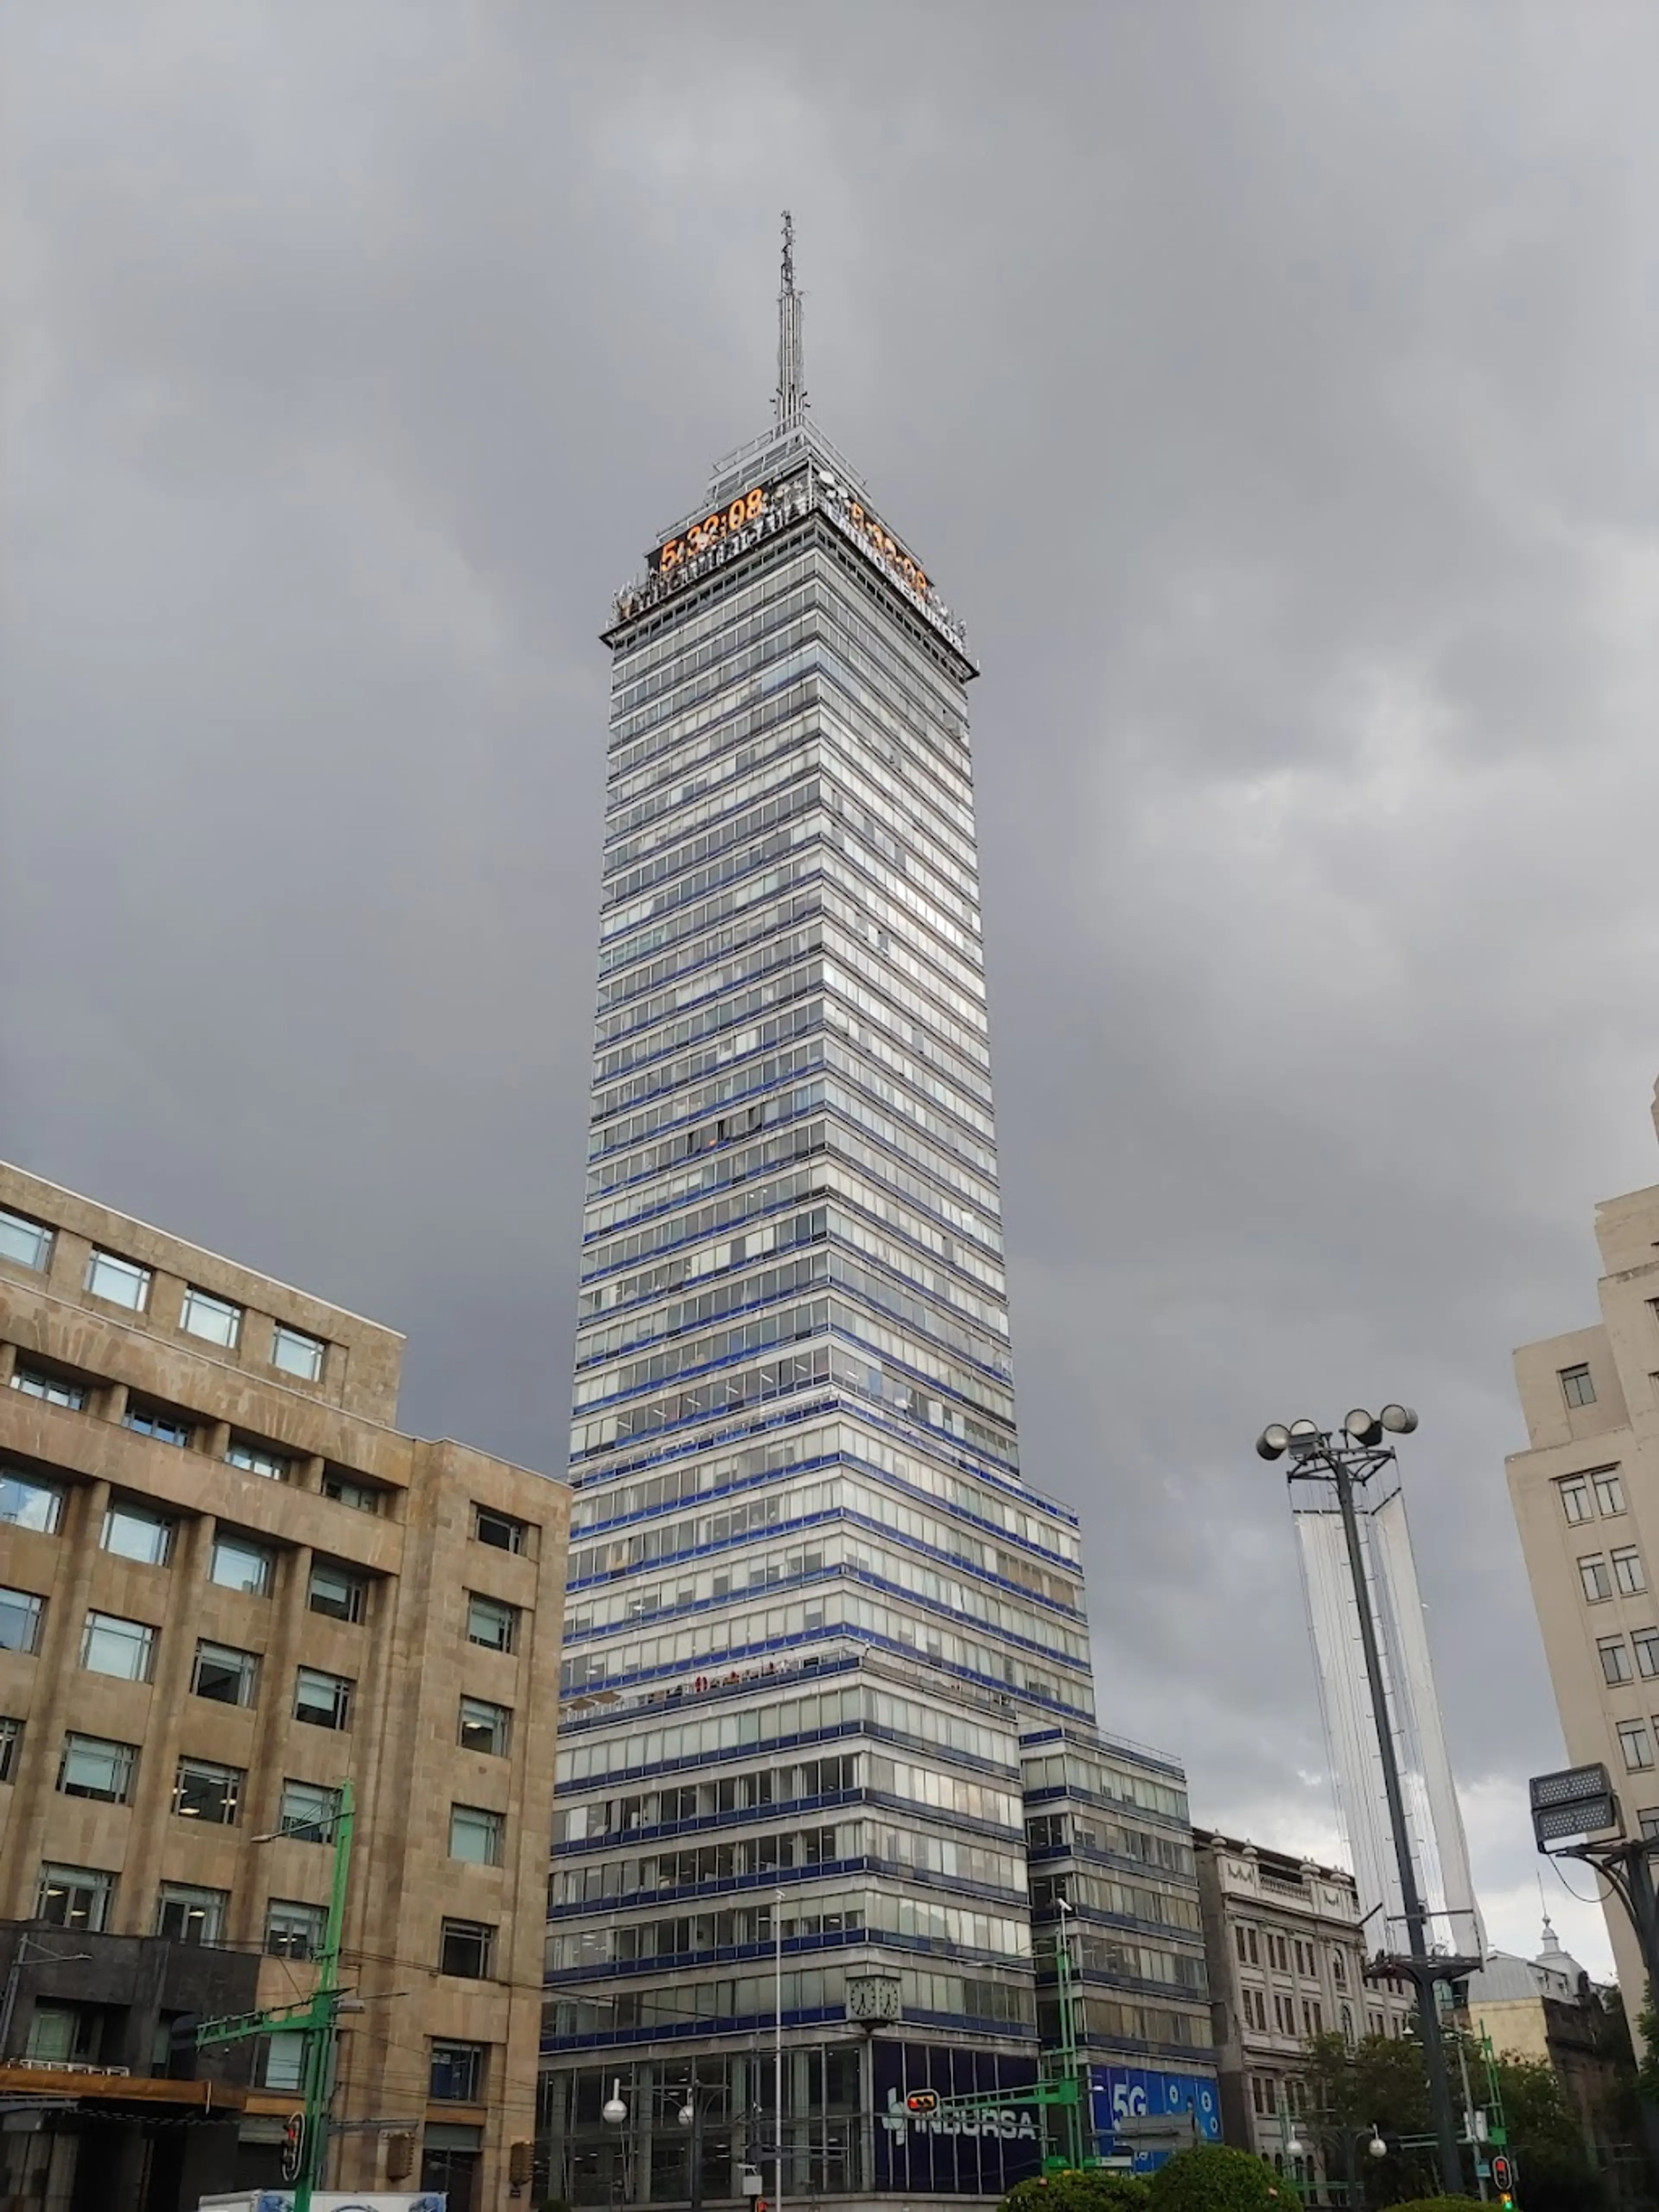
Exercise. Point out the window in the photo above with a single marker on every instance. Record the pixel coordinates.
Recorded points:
(308, 1812)
(1593, 1575)
(283, 2061)
(28, 1243)
(25, 1503)
(122, 1282)
(166, 1428)
(500, 1529)
(296, 1353)
(92, 1768)
(132, 1533)
(457, 2073)
(1633, 1742)
(228, 1676)
(476, 1835)
(20, 1614)
(189, 1915)
(215, 1319)
(1647, 1823)
(75, 1897)
(11, 1738)
(1646, 1644)
(1575, 1386)
(1609, 1490)
(66, 2033)
(126, 1649)
(253, 1459)
(1255, 1959)
(1347, 2026)
(1575, 1497)
(1258, 2096)
(485, 1727)
(324, 1700)
(360, 1496)
(465, 1949)
(293, 1930)
(1615, 1659)
(210, 1793)
(1339, 1970)
(1627, 1574)
(489, 1622)
(56, 1389)
(338, 1593)
(1238, 1939)
(240, 1565)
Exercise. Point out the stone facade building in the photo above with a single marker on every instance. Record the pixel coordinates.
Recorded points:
(1586, 1499)
(1287, 1958)
(228, 1584)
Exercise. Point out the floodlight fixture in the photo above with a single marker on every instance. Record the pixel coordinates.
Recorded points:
(1398, 1420)
(1362, 1428)
(1271, 1442)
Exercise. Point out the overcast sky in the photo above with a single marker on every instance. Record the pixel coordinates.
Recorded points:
(1269, 387)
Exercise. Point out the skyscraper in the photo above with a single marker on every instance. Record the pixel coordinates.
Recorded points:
(815, 1612)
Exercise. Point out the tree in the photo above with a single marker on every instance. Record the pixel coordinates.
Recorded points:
(1208, 2178)
(1381, 2084)
(1088, 2191)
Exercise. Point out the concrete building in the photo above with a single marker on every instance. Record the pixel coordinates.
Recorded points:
(230, 1583)
(1287, 1951)
(1586, 1499)
(818, 1616)
(1548, 2009)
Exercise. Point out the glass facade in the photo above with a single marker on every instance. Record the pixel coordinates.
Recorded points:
(817, 1619)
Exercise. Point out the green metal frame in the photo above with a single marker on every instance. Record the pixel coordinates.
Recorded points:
(315, 2020)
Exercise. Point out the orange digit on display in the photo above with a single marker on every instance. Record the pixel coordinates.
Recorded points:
(753, 504)
(669, 554)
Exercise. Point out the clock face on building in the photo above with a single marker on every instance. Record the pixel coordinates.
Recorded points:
(874, 1997)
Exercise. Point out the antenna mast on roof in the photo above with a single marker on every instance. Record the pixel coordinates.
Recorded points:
(792, 391)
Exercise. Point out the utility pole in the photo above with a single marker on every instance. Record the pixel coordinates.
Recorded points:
(315, 2021)
(1317, 1456)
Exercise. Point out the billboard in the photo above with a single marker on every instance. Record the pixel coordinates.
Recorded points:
(1136, 2092)
(976, 2149)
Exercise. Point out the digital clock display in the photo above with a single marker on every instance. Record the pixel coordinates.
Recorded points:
(747, 507)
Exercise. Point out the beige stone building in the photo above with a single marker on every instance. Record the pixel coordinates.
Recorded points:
(1287, 1956)
(1586, 1499)
(230, 1583)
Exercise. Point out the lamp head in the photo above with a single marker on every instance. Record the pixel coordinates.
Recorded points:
(1271, 1443)
(1398, 1420)
(687, 2115)
(1362, 1428)
(613, 2109)
(1377, 2146)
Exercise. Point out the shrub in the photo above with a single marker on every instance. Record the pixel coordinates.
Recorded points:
(1209, 2179)
(1431, 2203)
(1090, 2191)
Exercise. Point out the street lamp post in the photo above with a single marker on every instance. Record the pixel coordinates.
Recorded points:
(1579, 1803)
(694, 2098)
(1355, 1453)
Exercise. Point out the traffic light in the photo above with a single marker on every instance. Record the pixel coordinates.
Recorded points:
(1503, 2181)
(921, 2101)
(293, 2145)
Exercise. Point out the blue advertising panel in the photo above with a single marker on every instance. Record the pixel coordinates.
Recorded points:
(1136, 2092)
(973, 2150)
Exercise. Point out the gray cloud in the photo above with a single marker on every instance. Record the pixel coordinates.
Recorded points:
(1270, 388)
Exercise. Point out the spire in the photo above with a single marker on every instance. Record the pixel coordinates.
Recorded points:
(791, 394)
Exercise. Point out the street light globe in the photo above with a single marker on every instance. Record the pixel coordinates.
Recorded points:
(1398, 1420)
(1296, 2148)
(687, 2115)
(613, 2108)
(1377, 2146)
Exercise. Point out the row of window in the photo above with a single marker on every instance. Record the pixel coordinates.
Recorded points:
(1599, 1491)
(228, 1677)
(1272, 1949)
(83, 1897)
(126, 1283)
(1254, 2003)
(126, 1649)
(1606, 1574)
(166, 1427)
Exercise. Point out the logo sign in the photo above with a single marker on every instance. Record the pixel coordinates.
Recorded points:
(953, 2122)
(1135, 2098)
